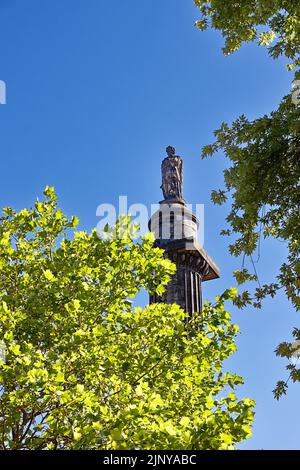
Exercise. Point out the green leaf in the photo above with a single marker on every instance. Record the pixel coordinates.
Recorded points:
(49, 276)
(116, 434)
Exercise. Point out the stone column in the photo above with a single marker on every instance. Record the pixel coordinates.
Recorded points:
(175, 229)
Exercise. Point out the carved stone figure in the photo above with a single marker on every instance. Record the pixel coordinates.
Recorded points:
(171, 170)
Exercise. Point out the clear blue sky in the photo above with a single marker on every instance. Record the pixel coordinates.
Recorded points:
(95, 91)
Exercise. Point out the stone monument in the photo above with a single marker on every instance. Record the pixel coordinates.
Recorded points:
(175, 228)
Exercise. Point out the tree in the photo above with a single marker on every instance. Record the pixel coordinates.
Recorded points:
(264, 177)
(243, 21)
(83, 368)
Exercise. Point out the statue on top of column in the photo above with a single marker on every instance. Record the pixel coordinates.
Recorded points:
(171, 169)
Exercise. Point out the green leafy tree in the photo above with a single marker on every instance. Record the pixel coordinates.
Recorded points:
(83, 368)
(263, 180)
(272, 23)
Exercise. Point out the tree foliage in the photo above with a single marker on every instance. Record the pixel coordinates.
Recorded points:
(274, 24)
(263, 180)
(83, 368)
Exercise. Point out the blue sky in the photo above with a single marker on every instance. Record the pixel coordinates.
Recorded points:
(95, 92)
